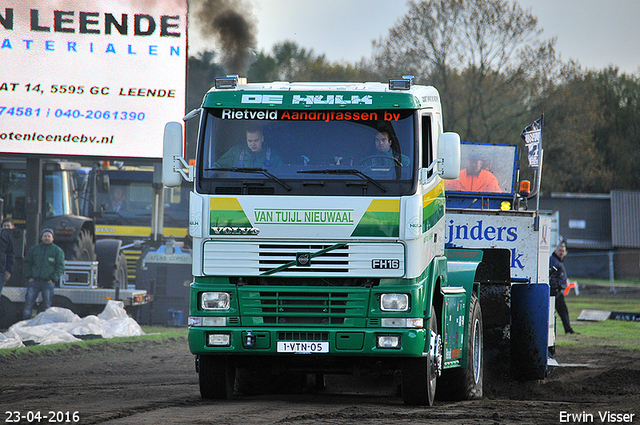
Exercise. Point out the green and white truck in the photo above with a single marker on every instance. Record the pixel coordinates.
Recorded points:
(329, 258)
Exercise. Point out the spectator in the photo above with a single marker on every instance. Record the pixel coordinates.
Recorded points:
(43, 267)
(6, 252)
(557, 282)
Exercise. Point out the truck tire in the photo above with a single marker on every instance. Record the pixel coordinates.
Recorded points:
(64, 302)
(120, 275)
(112, 264)
(419, 375)
(216, 375)
(83, 249)
(466, 384)
(10, 313)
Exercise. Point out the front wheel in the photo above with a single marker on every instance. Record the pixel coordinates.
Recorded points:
(216, 375)
(419, 375)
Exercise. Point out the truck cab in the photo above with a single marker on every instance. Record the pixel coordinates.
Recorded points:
(318, 223)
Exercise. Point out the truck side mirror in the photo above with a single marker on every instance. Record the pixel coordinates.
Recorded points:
(449, 152)
(104, 183)
(172, 160)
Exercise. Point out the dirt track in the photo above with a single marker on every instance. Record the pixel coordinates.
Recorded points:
(146, 382)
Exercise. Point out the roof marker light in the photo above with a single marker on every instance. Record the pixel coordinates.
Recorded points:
(403, 83)
(229, 82)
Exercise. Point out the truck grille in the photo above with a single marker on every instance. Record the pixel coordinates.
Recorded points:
(230, 258)
(314, 307)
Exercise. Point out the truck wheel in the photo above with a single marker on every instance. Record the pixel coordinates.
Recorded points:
(216, 376)
(83, 249)
(418, 375)
(112, 264)
(120, 278)
(466, 384)
(10, 313)
(63, 302)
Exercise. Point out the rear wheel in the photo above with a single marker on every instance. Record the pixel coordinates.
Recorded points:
(419, 375)
(466, 384)
(216, 375)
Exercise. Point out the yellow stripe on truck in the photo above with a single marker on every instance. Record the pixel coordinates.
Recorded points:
(142, 231)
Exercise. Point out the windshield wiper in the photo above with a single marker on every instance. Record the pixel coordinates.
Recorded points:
(252, 170)
(352, 172)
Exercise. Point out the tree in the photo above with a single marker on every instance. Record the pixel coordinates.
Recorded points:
(572, 162)
(484, 56)
(617, 137)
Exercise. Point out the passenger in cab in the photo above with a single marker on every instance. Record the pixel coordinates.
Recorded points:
(475, 178)
(251, 154)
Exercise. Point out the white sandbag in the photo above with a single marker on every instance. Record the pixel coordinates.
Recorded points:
(90, 325)
(123, 326)
(49, 333)
(55, 336)
(6, 342)
(112, 310)
(60, 325)
(54, 315)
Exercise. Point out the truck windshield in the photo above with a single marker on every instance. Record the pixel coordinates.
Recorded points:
(130, 200)
(486, 168)
(59, 194)
(328, 153)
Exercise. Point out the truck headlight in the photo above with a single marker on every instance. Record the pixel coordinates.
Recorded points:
(218, 340)
(394, 302)
(215, 301)
(388, 341)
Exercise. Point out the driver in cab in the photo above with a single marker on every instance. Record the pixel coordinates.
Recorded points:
(385, 155)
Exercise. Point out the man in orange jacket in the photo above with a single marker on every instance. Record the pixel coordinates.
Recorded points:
(475, 178)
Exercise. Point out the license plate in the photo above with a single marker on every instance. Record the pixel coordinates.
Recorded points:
(303, 347)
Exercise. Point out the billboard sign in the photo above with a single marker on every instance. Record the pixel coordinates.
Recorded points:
(91, 78)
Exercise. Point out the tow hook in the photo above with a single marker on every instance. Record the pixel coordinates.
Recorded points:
(250, 340)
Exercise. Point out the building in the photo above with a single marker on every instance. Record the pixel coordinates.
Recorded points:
(602, 232)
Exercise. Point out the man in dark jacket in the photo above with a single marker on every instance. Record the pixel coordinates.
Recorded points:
(557, 282)
(43, 267)
(252, 154)
(6, 256)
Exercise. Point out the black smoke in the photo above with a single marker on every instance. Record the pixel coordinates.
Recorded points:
(230, 24)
